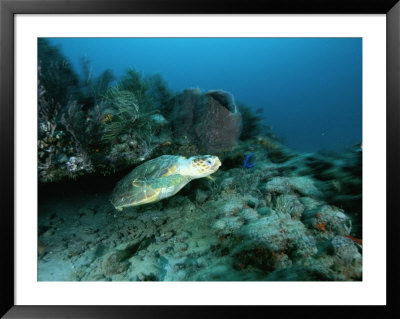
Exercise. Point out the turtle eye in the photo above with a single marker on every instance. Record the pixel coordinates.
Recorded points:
(208, 162)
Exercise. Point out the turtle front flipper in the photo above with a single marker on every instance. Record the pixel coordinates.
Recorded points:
(148, 195)
(153, 190)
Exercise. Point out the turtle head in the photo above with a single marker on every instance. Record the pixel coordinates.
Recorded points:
(202, 166)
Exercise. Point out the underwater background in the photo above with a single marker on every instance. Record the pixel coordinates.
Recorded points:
(283, 116)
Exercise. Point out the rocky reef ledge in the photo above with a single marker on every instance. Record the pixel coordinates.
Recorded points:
(292, 216)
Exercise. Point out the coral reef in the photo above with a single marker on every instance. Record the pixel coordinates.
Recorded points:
(264, 223)
(270, 213)
(87, 126)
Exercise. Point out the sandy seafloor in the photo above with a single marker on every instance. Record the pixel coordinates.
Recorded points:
(274, 221)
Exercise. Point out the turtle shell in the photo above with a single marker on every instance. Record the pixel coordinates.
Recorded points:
(149, 182)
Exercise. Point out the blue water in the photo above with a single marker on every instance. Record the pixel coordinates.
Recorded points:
(310, 89)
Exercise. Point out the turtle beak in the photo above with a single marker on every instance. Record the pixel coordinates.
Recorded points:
(217, 164)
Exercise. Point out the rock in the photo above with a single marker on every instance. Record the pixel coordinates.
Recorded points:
(62, 158)
(278, 185)
(183, 235)
(249, 214)
(265, 211)
(275, 233)
(158, 221)
(165, 250)
(310, 203)
(165, 236)
(227, 183)
(158, 119)
(201, 196)
(251, 201)
(229, 208)
(86, 211)
(113, 265)
(289, 204)
(228, 225)
(327, 220)
(346, 251)
(282, 261)
(297, 273)
(306, 246)
(180, 247)
(303, 185)
(48, 233)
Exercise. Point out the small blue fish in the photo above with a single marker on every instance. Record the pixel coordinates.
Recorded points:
(246, 162)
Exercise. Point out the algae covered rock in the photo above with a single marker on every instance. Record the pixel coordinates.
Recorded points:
(289, 204)
(327, 221)
(114, 264)
(303, 185)
(228, 225)
(274, 232)
(345, 250)
(348, 259)
(306, 246)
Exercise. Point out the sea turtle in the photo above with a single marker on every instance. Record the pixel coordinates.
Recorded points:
(161, 177)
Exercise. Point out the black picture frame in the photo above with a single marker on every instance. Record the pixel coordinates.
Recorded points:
(8, 8)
